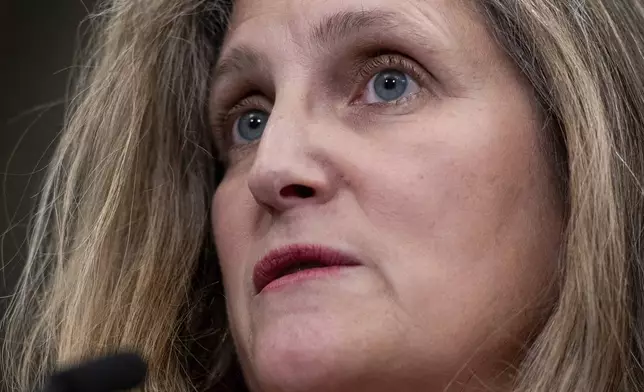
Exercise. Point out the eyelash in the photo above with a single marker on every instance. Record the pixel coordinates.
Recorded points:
(223, 119)
(366, 70)
(382, 62)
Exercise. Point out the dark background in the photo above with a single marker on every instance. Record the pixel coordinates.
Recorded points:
(38, 40)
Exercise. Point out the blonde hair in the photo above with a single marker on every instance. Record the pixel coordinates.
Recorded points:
(120, 250)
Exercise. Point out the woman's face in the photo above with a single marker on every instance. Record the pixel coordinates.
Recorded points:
(397, 133)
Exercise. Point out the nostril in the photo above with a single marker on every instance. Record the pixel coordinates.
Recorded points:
(301, 191)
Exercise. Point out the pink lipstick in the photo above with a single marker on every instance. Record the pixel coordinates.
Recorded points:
(292, 263)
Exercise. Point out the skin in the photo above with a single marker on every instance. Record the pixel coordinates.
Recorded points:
(447, 198)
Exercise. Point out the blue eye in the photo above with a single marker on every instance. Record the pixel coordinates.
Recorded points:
(390, 85)
(250, 126)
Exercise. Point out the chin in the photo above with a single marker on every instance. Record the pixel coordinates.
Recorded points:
(322, 356)
(298, 356)
(311, 337)
(315, 353)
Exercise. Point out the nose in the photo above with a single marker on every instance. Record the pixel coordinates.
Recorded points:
(292, 166)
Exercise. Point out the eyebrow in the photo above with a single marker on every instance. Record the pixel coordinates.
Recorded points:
(331, 28)
(341, 24)
(240, 58)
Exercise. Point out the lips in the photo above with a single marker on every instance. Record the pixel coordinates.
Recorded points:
(292, 259)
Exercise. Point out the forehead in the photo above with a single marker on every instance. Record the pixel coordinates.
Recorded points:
(296, 18)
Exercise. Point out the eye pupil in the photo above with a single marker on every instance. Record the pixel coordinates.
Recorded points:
(251, 125)
(255, 122)
(390, 85)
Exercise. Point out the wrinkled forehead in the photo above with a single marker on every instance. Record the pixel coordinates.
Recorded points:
(257, 20)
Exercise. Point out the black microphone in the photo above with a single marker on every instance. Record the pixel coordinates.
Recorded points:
(112, 373)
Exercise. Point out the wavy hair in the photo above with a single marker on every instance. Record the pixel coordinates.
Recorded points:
(121, 254)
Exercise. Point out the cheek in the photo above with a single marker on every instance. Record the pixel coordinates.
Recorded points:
(470, 170)
(474, 223)
(230, 220)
